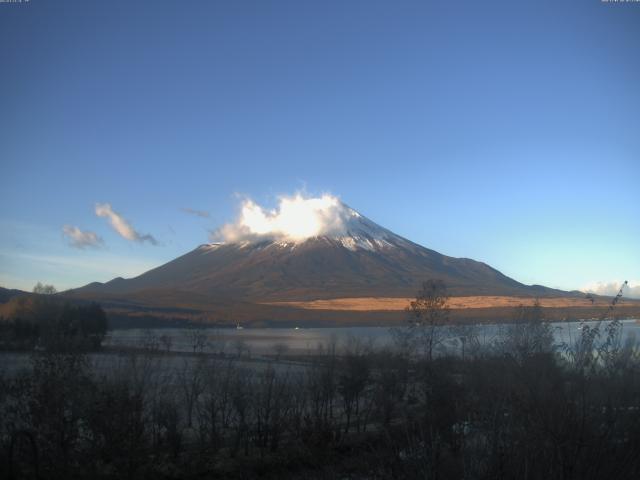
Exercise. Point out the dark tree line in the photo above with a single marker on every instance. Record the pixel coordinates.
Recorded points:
(46, 322)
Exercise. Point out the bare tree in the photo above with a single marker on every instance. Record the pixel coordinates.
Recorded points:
(529, 334)
(353, 379)
(390, 384)
(280, 349)
(190, 378)
(166, 342)
(241, 384)
(428, 313)
(44, 289)
(240, 347)
(467, 334)
(197, 340)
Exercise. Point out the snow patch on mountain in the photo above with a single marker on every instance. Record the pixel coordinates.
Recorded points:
(298, 219)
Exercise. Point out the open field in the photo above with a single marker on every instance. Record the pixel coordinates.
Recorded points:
(394, 304)
(166, 308)
(345, 312)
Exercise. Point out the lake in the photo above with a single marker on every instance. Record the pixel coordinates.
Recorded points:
(264, 341)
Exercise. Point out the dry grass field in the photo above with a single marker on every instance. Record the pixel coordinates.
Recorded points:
(368, 304)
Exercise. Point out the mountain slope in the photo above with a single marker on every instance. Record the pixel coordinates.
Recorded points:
(360, 259)
(7, 294)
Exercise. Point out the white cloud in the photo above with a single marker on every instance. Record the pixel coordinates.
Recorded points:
(197, 213)
(121, 225)
(81, 239)
(295, 218)
(632, 290)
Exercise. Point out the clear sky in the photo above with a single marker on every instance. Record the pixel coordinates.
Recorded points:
(504, 131)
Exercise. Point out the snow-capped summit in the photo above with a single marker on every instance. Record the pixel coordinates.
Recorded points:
(360, 232)
(298, 220)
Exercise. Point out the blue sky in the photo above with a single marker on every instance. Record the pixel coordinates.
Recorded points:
(501, 131)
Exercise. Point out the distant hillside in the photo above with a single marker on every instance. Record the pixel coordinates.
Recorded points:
(6, 294)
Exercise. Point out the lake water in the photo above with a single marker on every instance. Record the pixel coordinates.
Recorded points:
(256, 344)
(263, 341)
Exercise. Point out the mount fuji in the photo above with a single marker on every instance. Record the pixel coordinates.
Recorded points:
(327, 251)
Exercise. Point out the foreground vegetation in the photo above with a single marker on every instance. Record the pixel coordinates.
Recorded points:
(524, 408)
(519, 407)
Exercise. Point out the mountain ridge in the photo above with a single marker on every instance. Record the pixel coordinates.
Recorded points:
(356, 258)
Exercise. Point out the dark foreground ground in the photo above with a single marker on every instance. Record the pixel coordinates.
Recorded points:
(522, 407)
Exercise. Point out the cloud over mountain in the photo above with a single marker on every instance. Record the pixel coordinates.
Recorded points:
(121, 225)
(632, 290)
(81, 239)
(295, 218)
